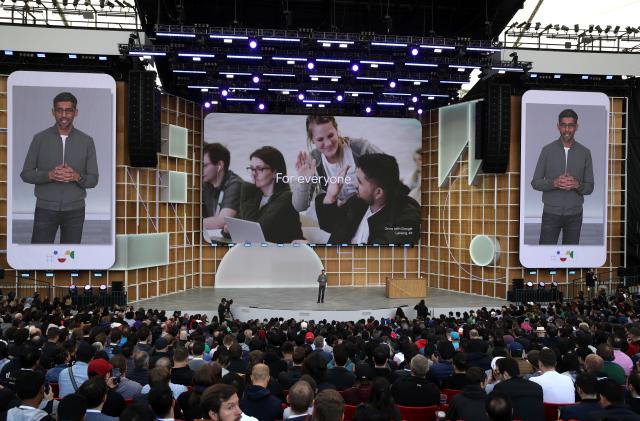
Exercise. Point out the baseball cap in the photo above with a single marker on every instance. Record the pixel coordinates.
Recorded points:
(494, 361)
(455, 336)
(515, 348)
(161, 343)
(364, 371)
(303, 325)
(309, 335)
(115, 325)
(99, 367)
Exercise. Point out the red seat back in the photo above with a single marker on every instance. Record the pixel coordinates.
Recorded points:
(349, 412)
(450, 393)
(55, 388)
(418, 413)
(551, 410)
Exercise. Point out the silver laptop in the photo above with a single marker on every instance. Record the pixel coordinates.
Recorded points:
(244, 231)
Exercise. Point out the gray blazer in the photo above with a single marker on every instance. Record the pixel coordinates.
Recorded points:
(45, 153)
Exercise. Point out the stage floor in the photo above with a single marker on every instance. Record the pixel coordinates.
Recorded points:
(341, 303)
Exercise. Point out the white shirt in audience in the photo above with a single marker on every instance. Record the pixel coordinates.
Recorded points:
(556, 388)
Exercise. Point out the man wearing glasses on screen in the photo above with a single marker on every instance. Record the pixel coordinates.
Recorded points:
(220, 188)
(381, 212)
(564, 175)
(61, 163)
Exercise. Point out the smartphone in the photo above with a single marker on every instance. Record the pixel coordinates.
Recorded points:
(116, 375)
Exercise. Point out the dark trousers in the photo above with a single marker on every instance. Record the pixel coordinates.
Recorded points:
(321, 289)
(46, 223)
(570, 225)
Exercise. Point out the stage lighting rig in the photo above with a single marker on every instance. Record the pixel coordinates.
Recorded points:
(529, 285)
(541, 285)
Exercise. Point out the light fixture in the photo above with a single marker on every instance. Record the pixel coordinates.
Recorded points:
(261, 106)
(207, 104)
(529, 285)
(87, 289)
(414, 51)
(224, 92)
(256, 79)
(541, 285)
(392, 84)
(310, 65)
(367, 110)
(300, 96)
(420, 111)
(355, 68)
(339, 98)
(253, 44)
(554, 285)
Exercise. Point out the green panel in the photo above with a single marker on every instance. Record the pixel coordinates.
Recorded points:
(177, 187)
(174, 141)
(136, 251)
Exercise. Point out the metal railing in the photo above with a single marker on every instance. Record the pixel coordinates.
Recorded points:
(20, 288)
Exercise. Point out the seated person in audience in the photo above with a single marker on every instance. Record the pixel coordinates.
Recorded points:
(161, 402)
(160, 376)
(94, 391)
(380, 405)
(114, 403)
(361, 389)
(197, 359)
(457, 380)
(72, 408)
(556, 388)
(30, 389)
(381, 212)
(526, 396)
(84, 353)
(328, 406)
(339, 376)
(587, 389)
(140, 372)
(181, 373)
(300, 400)
(416, 390)
(161, 349)
(611, 399)
(380, 362)
(633, 385)
(292, 375)
(469, 404)
(498, 407)
(442, 366)
(137, 413)
(258, 401)
(267, 199)
(61, 360)
(610, 368)
(127, 388)
(220, 402)
(189, 401)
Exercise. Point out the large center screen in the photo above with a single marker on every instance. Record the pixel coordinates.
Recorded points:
(314, 179)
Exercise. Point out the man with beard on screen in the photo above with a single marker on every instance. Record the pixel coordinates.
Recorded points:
(381, 212)
(564, 175)
(61, 163)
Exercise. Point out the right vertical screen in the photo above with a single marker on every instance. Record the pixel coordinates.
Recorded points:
(563, 179)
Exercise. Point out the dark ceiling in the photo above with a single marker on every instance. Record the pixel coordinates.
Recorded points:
(479, 19)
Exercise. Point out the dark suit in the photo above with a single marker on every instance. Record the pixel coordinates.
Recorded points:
(98, 416)
(415, 391)
(526, 397)
(613, 412)
(580, 411)
(288, 378)
(340, 377)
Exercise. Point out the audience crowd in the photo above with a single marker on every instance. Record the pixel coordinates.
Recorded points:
(60, 361)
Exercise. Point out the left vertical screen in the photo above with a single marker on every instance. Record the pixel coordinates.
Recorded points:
(61, 170)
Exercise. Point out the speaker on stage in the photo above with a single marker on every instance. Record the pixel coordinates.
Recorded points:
(144, 119)
(517, 283)
(590, 279)
(496, 139)
(116, 286)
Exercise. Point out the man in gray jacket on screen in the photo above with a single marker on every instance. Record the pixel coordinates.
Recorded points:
(564, 175)
(61, 163)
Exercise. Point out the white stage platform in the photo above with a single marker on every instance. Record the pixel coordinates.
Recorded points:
(341, 303)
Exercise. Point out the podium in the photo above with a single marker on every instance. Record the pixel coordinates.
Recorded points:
(406, 288)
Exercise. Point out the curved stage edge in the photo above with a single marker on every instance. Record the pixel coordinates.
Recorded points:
(341, 303)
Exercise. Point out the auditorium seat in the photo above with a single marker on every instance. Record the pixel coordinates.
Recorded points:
(418, 413)
(450, 393)
(55, 388)
(349, 412)
(551, 410)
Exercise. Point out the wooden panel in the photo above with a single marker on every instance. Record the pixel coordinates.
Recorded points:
(406, 288)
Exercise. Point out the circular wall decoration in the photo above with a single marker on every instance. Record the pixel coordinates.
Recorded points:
(484, 250)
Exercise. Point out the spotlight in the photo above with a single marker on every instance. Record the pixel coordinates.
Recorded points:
(310, 65)
(616, 29)
(576, 28)
(261, 107)
(414, 99)
(224, 92)
(73, 290)
(300, 96)
(207, 104)
(420, 111)
(564, 28)
(554, 285)
(256, 79)
(87, 289)
(339, 98)
(253, 44)
(355, 67)
(103, 288)
(392, 84)
(367, 110)
(541, 285)
(538, 25)
(529, 285)
(414, 51)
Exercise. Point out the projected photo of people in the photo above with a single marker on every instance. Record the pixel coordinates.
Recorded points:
(62, 169)
(321, 154)
(564, 169)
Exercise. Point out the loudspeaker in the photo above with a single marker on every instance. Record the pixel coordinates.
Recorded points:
(621, 271)
(517, 283)
(590, 279)
(116, 286)
(496, 138)
(144, 119)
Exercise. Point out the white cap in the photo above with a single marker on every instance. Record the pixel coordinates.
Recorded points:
(303, 325)
(115, 325)
(493, 362)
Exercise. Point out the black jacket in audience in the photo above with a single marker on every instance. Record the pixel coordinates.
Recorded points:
(526, 398)
(182, 375)
(415, 391)
(456, 381)
(469, 404)
(340, 377)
